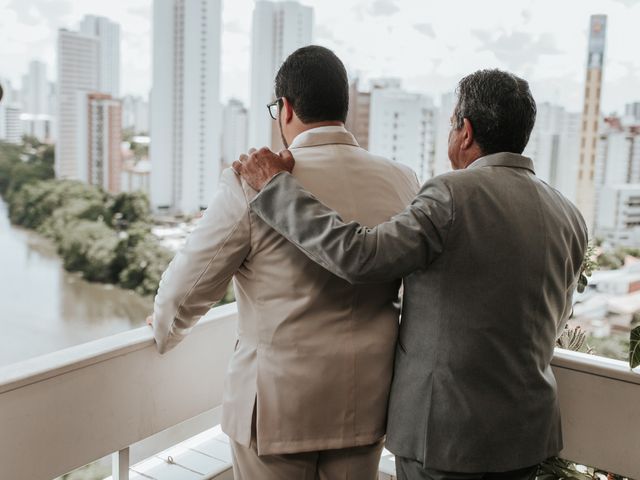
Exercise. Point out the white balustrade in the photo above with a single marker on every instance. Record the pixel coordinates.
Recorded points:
(117, 395)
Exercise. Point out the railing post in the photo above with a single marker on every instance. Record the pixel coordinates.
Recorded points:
(120, 464)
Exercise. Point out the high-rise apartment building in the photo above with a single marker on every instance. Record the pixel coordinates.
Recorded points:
(77, 74)
(10, 124)
(554, 147)
(37, 116)
(99, 138)
(619, 214)
(35, 89)
(108, 35)
(358, 117)
(442, 164)
(617, 164)
(10, 111)
(402, 128)
(135, 114)
(279, 28)
(185, 101)
(585, 188)
(632, 110)
(234, 131)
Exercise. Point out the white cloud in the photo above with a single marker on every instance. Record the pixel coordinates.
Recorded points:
(431, 45)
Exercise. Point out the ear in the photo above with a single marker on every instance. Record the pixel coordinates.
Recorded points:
(467, 134)
(287, 112)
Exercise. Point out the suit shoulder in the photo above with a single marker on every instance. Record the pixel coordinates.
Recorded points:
(236, 185)
(397, 167)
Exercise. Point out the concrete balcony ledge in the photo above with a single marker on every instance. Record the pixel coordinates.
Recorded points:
(116, 395)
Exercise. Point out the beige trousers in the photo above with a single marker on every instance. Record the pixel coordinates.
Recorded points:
(355, 463)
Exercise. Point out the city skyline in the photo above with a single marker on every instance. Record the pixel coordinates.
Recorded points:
(536, 40)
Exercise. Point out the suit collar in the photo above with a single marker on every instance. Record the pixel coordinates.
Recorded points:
(504, 159)
(331, 135)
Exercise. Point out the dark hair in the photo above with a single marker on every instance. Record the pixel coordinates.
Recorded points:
(500, 108)
(314, 81)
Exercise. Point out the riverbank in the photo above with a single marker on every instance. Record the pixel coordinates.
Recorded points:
(45, 308)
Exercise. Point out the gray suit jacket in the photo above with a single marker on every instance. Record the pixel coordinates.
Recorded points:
(490, 257)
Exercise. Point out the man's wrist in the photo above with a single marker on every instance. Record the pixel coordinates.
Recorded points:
(275, 178)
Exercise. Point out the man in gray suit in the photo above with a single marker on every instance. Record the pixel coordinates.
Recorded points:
(490, 257)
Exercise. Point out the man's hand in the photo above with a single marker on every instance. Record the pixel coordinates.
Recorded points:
(260, 166)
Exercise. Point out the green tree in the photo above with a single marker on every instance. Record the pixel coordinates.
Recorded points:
(89, 247)
(129, 208)
(144, 265)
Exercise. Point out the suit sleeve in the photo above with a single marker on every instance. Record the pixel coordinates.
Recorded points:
(408, 242)
(197, 277)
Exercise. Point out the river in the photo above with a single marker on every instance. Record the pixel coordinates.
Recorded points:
(43, 308)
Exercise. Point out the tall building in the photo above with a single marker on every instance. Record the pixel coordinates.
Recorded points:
(185, 101)
(442, 163)
(279, 28)
(77, 73)
(402, 128)
(108, 35)
(37, 119)
(585, 189)
(234, 131)
(619, 214)
(554, 147)
(617, 163)
(358, 117)
(632, 110)
(10, 125)
(35, 89)
(135, 114)
(41, 126)
(99, 138)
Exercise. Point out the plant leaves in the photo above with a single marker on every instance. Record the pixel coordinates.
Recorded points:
(634, 347)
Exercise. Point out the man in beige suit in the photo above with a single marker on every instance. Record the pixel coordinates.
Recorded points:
(308, 384)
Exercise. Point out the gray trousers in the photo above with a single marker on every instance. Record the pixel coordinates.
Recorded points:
(408, 469)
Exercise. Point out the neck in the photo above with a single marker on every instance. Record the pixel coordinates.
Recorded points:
(303, 127)
(474, 154)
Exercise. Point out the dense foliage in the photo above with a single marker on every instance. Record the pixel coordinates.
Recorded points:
(105, 237)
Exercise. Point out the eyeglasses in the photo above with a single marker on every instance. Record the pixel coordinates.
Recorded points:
(274, 108)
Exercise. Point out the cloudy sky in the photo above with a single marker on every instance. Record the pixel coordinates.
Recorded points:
(429, 44)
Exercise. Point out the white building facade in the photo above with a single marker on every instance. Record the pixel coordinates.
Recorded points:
(185, 125)
(235, 122)
(402, 128)
(618, 214)
(10, 111)
(279, 28)
(443, 125)
(554, 147)
(617, 165)
(135, 114)
(108, 35)
(35, 89)
(77, 72)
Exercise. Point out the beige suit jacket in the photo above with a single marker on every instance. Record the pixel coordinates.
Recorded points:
(314, 354)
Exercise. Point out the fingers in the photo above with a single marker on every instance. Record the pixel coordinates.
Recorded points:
(252, 150)
(237, 167)
(287, 159)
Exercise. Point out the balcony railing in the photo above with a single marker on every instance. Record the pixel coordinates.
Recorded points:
(61, 411)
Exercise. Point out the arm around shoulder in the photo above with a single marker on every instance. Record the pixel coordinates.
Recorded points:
(408, 242)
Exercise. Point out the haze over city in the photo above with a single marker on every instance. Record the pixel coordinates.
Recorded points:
(429, 45)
